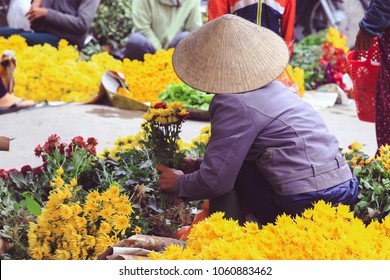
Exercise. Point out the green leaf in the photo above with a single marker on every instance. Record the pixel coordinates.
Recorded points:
(357, 170)
(362, 205)
(386, 208)
(377, 188)
(18, 179)
(33, 206)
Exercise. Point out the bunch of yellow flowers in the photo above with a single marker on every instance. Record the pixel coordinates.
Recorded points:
(336, 39)
(384, 156)
(166, 114)
(197, 146)
(320, 233)
(297, 74)
(69, 229)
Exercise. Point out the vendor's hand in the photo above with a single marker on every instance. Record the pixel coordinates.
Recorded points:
(363, 41)
(189, 165)
(36, 12)
(168, 177)
(36, 3)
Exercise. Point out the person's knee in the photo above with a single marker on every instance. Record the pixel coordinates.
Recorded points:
(137, 45)
(8, 31)
(178, 38)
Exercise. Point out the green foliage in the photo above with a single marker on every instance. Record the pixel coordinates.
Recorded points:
(374, 186)
(190, 97)
(306, 55)
(113, 22)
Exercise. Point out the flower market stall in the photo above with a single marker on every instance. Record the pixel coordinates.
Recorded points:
(80, 204)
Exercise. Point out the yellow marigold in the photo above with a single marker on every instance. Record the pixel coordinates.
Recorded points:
(355, 146)
(121, 222)
(320, 233)
(335, 38)
(137, 230)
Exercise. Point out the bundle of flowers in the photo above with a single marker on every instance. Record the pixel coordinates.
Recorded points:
(162, 127)
(72, 228)
(322, 56)
(320, 233)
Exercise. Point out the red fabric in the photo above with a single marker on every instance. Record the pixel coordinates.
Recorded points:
(217, 8)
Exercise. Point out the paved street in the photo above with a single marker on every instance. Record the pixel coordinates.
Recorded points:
(32, 127)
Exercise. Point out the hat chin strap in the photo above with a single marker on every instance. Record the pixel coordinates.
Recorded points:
(259, 9)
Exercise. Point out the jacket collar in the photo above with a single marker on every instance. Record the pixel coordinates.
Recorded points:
(173, 3)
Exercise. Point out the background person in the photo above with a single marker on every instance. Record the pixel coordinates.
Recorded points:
(277, 15)
(160, 24)
(376, 23)
(53, 20)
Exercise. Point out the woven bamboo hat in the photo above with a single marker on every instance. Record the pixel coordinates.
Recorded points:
(230, 55)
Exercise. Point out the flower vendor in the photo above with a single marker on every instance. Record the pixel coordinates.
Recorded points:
(267, 145)
(52, 21)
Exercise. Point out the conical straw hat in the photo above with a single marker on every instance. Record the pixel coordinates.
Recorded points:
(230, 55)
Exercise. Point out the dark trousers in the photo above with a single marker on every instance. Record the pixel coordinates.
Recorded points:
(265, 205)
(32, 38)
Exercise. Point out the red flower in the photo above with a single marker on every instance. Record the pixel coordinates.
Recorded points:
(53, 139)
(4, 174)
(78, 141)
(92, 141)
(160, 105)
(25, 169)
(38, 151)
(38, 171)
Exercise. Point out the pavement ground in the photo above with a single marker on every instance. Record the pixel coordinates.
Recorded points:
(29, 128)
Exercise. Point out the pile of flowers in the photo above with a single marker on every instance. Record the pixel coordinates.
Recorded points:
(320, 233)
(70, 227)
(44, 72)
(148, 78)
(322, 57)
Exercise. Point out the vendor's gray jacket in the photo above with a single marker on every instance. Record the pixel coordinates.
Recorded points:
(277, 130)
(69, 19)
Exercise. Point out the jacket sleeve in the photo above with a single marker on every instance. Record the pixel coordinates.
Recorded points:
(288, 22)
(217, 8)
(142, 22)
(77, 24)
(232, 135)
(194, 19)
(377, 17)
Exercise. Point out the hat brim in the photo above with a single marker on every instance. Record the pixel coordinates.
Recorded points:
(230, 55)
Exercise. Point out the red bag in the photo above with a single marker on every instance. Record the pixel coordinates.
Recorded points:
(363, 68)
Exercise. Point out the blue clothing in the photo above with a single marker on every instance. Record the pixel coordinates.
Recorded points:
(377, 18)
(32, 38)
(69, 20)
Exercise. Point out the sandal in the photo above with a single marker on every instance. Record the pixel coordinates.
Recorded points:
(15, 107)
